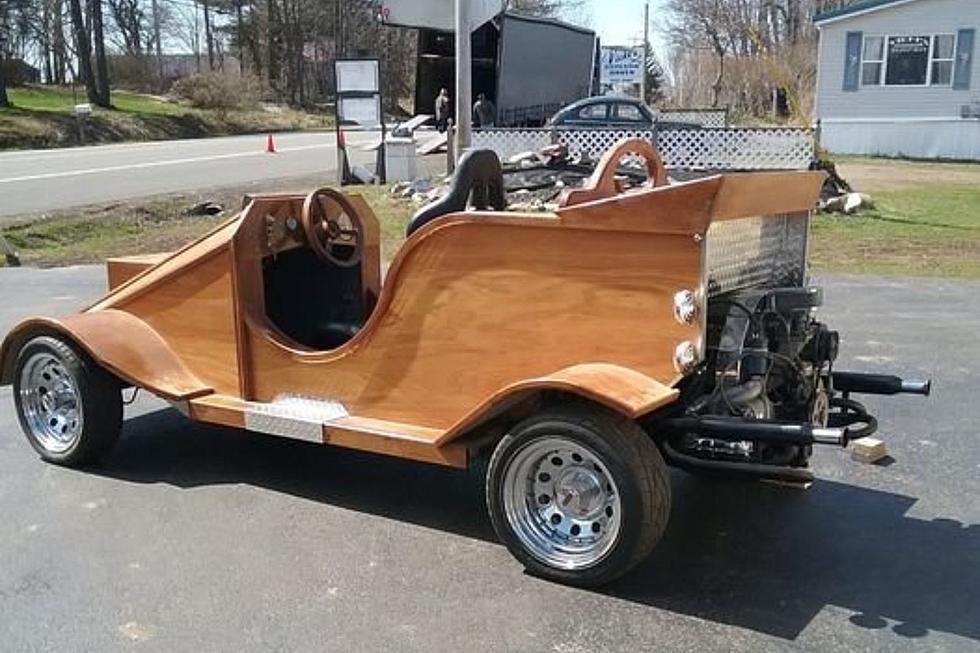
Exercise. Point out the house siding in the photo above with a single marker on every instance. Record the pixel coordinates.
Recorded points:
(898, 120)
(925, 17)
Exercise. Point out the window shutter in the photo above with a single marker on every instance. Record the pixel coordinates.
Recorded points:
(963, 67)
(852, 60)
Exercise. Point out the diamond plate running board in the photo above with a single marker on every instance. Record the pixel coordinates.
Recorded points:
(293, 416)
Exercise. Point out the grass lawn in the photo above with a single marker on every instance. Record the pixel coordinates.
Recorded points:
(42, 116)
(926, 221)
(160, 225)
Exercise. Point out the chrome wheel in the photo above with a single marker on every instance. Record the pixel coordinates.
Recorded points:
(50, 403)
(562, 503)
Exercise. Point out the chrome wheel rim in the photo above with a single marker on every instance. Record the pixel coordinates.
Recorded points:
(50, 403)
(562, 503)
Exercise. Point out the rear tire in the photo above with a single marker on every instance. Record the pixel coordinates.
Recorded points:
(578, 494)
(69, 408)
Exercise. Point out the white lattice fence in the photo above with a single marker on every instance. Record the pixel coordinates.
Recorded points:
(596, 141)
(703, 117)
(508, 142)
(737, 148)
(730, 148)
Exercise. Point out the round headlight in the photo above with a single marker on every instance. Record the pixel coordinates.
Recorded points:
(685, 357)
(685, 306)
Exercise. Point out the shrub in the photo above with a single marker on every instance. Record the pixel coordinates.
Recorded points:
(217, 91)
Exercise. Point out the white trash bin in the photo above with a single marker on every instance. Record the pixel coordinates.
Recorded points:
(400, 162)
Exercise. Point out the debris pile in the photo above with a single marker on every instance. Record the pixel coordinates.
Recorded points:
(533, 180)
(837, 196)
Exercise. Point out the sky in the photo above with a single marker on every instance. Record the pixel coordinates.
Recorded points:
(620, 22)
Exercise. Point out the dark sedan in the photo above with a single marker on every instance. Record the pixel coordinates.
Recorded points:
(613, 112)
(605, 111)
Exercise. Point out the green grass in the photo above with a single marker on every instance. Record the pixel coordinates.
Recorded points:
(923, 231)
(43, 116)
(160, 225)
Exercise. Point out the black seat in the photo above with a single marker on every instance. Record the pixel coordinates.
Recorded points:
(478, 177)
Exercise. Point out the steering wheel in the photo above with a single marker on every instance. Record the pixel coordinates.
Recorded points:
(332, 224)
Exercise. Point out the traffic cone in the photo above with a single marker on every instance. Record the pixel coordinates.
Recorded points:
(270, 145)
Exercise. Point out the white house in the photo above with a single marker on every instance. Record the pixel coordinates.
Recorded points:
(896, 77)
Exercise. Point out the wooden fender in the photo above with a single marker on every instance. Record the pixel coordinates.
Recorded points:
(619, 388)
(122, 343)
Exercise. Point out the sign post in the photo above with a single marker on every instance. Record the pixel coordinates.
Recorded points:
(359, 101)
(464, 77)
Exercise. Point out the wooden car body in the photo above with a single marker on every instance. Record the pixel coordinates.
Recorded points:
(479, 313)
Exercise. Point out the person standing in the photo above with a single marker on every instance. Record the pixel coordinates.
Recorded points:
(484, 113)
(442, 110)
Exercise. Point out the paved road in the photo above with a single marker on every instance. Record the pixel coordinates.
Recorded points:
(205, 539)
(46, 180)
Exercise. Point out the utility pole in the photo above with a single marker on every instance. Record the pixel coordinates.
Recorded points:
(464, 78)
(646, 50)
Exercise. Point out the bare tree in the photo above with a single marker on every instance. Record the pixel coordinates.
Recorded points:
(83, 51)
(101, 64)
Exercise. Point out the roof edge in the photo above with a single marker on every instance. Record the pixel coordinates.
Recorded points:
(852, 11)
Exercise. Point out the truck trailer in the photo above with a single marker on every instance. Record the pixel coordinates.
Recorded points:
(528, 67)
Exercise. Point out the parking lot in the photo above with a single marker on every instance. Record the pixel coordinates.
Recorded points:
(205, 539)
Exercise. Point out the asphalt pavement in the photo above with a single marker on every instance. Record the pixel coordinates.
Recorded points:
(47, 180)
(205, 539)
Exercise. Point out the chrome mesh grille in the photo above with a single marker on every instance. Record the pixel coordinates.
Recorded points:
(757, 252)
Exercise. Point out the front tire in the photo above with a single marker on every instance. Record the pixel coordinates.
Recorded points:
(578, 494)
(69, 408)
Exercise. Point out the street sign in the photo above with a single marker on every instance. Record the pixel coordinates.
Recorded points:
(620, 65)
(435, 14)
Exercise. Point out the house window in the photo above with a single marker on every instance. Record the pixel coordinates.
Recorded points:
(873, 60)
(943, 54)
(908, 60)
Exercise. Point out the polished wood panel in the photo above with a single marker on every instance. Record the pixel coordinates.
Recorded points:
(475, 304)
(121, 269)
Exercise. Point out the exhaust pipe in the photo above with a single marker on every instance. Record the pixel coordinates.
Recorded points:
(738, 428)
(879, 384)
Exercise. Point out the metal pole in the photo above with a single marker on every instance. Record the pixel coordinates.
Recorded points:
(646, 49)
(464, 77)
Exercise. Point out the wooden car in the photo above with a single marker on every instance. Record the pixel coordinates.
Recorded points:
(577, 349)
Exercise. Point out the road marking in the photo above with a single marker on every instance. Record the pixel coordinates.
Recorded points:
(157, 164)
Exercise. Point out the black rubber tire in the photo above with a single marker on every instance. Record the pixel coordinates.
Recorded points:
(101, 398)
(635, 464)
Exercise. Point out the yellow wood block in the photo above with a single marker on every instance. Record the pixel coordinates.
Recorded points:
(868, 450)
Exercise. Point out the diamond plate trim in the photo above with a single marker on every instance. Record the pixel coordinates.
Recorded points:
(293, 416)
(753, 252)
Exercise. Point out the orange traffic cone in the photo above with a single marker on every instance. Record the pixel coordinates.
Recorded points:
(270, 145)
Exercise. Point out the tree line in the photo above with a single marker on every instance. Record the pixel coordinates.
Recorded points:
(288, 46)
(755, 56)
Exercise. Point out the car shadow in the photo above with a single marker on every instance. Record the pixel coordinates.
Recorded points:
(757, 556)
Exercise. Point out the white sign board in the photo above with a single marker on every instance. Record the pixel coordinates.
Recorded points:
(435, 14)
(358, 76)
(364, 111)
(619, 65)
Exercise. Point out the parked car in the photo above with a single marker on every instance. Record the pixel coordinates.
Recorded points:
(579, 352)
(605, 111)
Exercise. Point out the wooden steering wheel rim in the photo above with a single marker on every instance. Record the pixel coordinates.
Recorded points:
(319, 247)
(602, 183)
